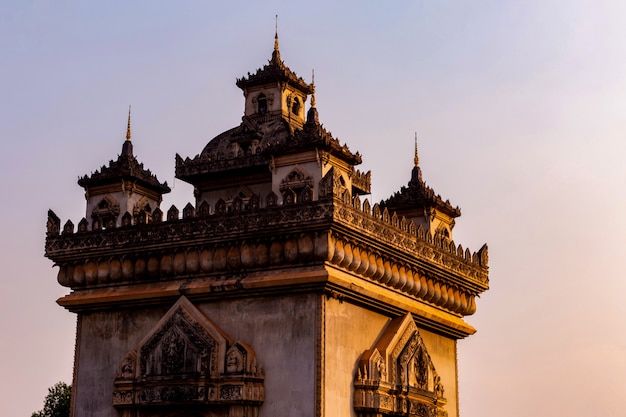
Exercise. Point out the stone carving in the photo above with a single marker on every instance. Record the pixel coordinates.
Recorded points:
(106, 211)
(457, 294)
(398, 377)
(182, 361)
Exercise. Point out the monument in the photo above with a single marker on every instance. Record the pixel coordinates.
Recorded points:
(281, 291)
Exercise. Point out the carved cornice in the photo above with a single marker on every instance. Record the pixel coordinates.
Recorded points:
(362, 241)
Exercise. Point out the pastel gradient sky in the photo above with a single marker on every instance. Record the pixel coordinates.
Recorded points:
(520, 109)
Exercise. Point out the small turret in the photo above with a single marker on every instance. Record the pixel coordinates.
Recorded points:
(122, 190)
(275, 91)
(419, 203)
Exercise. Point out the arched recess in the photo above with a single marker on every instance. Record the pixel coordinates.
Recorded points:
(398, 377)
(106, 211)
(297, 186)
(186, 363)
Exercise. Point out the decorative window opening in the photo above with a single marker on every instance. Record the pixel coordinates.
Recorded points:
(296, 187)
(261, 103)
(295, 107)
(105, 213)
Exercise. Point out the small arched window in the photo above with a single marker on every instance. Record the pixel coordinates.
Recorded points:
(295, 108)
(261, 103)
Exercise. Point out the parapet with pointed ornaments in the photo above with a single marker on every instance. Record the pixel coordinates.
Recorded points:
(337, 230)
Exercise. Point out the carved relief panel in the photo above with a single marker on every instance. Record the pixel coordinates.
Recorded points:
(398, 377)
(187, 362)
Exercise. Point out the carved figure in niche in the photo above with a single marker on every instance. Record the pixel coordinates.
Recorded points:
(234, 360)
(172, 350)
(127, 367)
(438, 386)
(381, 368)
(220, 206)
(295, 108)
(420, 367)
(272, 199)
(306, 195)
(126, 219)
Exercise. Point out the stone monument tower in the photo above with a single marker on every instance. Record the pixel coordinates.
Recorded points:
(281, 291)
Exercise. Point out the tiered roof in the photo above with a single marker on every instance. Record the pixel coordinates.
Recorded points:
(126, 167)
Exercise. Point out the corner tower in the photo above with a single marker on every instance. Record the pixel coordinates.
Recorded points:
(121, 193)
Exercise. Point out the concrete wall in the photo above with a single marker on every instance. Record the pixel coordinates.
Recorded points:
(349, 331)
(280, 330)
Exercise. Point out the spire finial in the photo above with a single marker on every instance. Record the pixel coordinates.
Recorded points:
(276, 35)
(416, 159)
(128, 127)
(127, 147)
(313, 88)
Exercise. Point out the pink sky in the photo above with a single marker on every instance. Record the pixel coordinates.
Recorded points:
(520, 109)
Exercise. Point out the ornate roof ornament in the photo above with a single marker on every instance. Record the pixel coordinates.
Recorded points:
(275, 70)
(313, 88)
(128, 126)
(419, 196)
(416, 159)
(276, 53)
(127, 147)
(312, 116)
(125, 167)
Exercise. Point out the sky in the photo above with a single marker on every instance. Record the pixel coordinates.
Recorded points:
(520, 111)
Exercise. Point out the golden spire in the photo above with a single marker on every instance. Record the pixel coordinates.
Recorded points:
(416, 159)
(276, 36)
(128, 127)
(313, 88)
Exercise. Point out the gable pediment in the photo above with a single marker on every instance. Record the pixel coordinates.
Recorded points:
(397, 377)
(186, 360)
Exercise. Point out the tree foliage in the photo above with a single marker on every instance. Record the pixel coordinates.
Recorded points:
(57, 402)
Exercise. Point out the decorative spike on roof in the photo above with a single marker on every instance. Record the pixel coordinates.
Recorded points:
(127, 147)
(312, 88)
(416, 159)
(276, 53)
(128, 126)
(312, 116)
